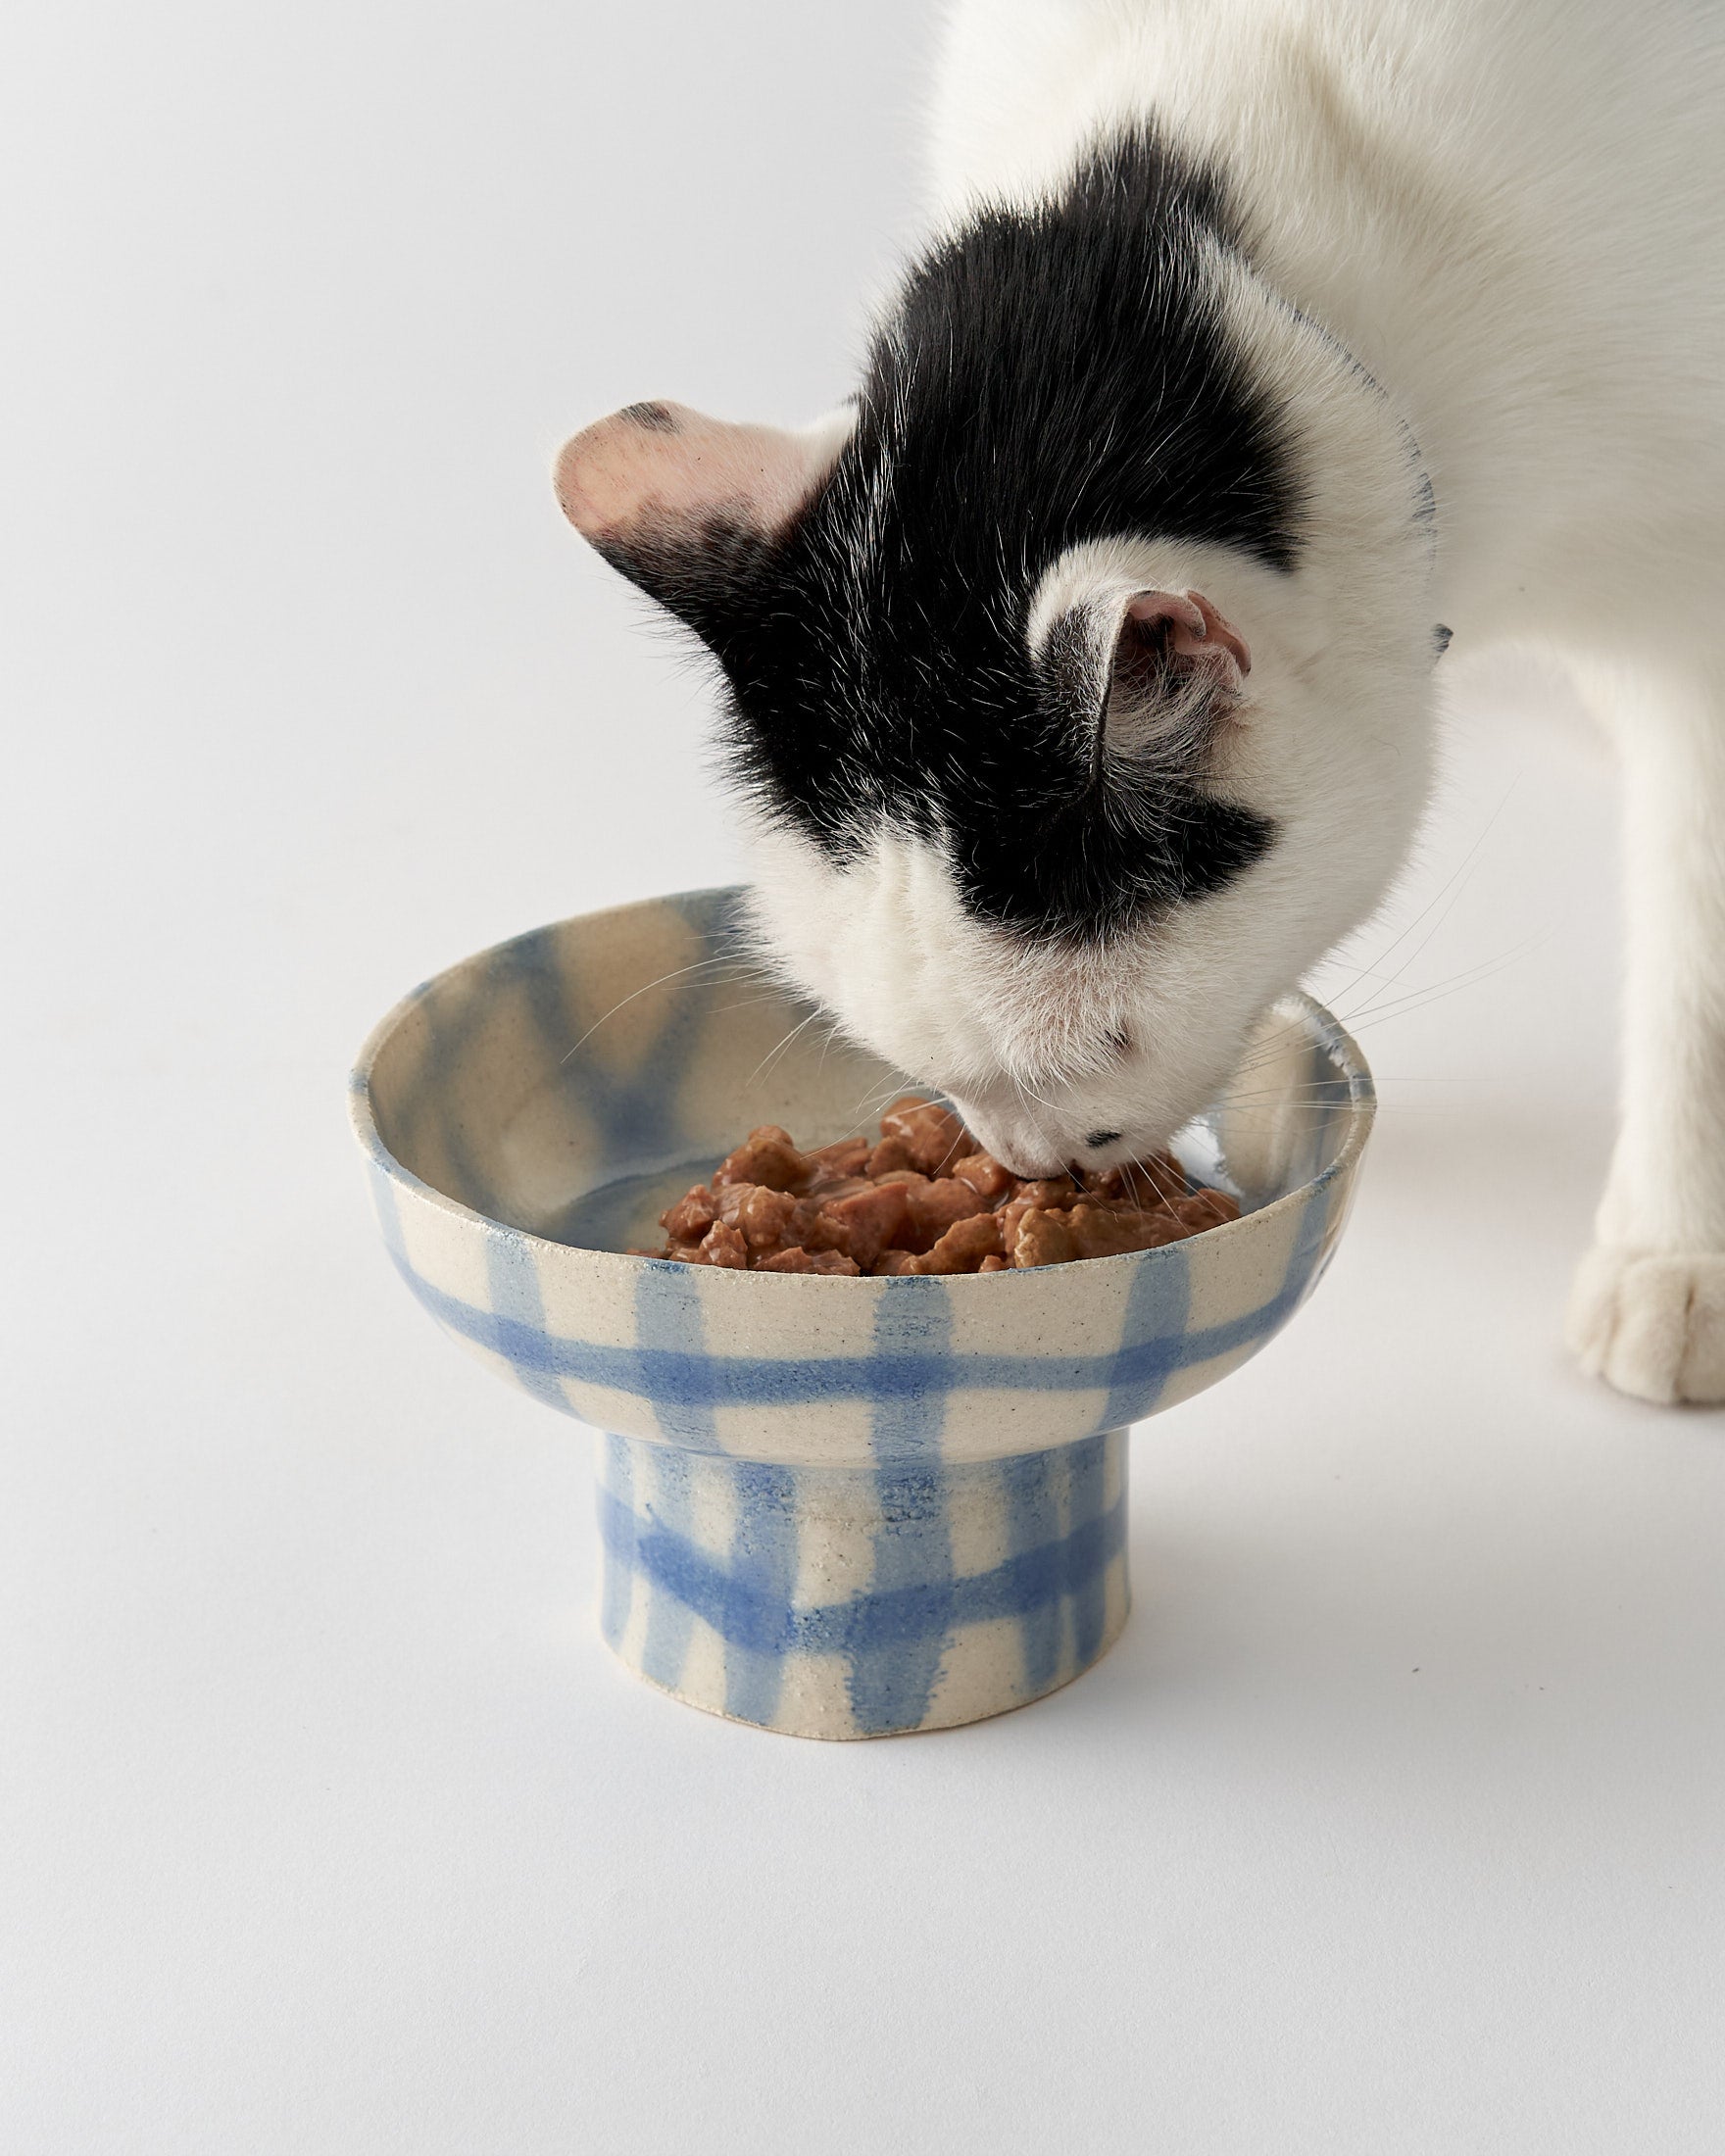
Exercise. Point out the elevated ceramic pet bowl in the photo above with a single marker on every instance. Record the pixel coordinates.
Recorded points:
(831, 1506)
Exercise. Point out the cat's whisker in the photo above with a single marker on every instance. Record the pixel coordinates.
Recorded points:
(1380, 1007)
(773, 1053)
(1374, 967)
(677, 973)
(751, 1003)
(1376, 1013)
(870, 1104)
(1459, 877)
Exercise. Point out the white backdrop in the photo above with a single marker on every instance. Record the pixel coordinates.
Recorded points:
(1393, 1824)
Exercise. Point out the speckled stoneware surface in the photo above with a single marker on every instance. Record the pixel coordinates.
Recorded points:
(832, 1507)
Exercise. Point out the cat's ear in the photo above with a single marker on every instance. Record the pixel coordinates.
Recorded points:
(1180, 633)
(1177, 666)
(1153, 668)
(678, 502)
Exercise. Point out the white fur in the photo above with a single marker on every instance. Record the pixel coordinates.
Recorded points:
(1509, 215)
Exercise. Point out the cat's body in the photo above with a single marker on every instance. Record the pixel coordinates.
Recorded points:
(1081, 677)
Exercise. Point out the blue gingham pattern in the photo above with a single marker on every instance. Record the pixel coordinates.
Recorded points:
(500, 1095)
(863, 1602)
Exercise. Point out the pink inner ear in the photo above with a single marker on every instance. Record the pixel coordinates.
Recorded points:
(1198, 630)
(662, 463)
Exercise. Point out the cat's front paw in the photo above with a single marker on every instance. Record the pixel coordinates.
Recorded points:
(1651, 1323)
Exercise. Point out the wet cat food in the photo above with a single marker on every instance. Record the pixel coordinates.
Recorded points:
(923, 1198)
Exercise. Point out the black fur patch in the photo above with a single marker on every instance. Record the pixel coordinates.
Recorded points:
(1047, 378)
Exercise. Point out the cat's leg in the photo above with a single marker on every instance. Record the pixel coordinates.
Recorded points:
(1648, 1311)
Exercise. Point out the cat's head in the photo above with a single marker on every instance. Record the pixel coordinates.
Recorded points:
(1077, 669)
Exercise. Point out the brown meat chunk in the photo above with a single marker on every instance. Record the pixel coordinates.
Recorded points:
(892, 1262)
(764, 1217)
(1045, 1197)
(796, 1260)
(689, 1219)
(932, 1207)
(811, 1228)
(1010, 1215)
(844, 1158)
(766, 1156)
(1109, 1231)
(964, 1247)
(1207, 1208)
(869, 1220)
(1049, 1192)
(1043, 1238)
(844, 1185)
(933, 1135)
(984, 1174)
(891, 1153)
(1157, 1180)
(995, 1265)
(1046, 1238)
(723, 1244)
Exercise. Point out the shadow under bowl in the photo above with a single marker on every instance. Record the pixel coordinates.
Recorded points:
(836, 1508)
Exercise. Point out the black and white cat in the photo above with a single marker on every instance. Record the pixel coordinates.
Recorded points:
(1080, 669)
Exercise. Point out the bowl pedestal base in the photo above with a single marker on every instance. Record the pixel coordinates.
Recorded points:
(862, 1601)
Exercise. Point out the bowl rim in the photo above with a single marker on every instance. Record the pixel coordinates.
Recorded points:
(1322, 1027)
